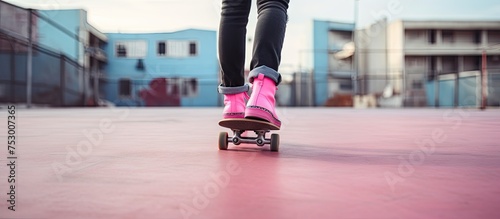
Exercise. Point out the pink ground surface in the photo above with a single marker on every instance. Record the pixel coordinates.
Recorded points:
(333, 163)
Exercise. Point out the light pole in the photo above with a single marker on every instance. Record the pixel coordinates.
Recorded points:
(356, 49)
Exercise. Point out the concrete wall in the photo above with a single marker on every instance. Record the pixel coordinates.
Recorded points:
(373, 57)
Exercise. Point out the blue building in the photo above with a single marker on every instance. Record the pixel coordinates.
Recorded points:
(162, 69)
(74, 64)
(332, 75)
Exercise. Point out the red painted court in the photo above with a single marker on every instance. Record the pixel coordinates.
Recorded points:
(333, 163)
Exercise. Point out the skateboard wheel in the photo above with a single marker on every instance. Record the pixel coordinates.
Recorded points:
(223, 141)
(275, 142)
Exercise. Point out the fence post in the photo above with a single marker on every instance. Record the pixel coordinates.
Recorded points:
(436, 89)
(484, 90)
(29, 60)
(313, 87)
(404, 87)
(457, 90)
(62, 78)
(84, 76)
(84, 95)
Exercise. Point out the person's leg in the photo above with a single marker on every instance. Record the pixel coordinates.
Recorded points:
(269, 33)
(269, 37)
(232, 39)
(232, 35)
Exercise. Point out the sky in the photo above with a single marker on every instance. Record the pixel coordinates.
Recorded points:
(128, 16)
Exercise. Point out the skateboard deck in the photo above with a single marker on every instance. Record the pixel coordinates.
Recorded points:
(239, 126)
(247, 124)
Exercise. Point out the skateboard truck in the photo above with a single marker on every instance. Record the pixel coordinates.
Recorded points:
(260, 140)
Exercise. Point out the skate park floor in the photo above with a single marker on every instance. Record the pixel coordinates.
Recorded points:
(333, 163)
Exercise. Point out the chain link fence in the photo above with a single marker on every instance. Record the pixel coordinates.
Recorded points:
(411, 89)
(32, 71)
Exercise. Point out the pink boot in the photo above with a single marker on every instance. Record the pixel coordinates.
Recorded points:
(234, 105)
(262, 103)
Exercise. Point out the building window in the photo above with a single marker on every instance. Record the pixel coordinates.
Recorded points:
(121, 51)
(472, 63)
(432, 68)
(415, 61)
(189, 87)
(124, 87)
(415, 36)
(431, 36)
(477, 37)
(192, 49)
(345, 85)
(131, 49)
(416, 84)
(337, 39)
(177, 48)
(449, 64)
(448, 36)
(162, 49)
(493, 37)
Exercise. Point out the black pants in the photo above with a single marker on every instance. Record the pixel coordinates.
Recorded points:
(268, 38)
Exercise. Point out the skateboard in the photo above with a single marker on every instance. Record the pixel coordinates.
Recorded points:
(239, 126)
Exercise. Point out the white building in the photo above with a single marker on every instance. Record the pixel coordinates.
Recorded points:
(411, 56)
